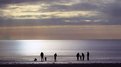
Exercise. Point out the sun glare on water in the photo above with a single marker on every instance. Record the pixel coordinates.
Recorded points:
(34, 47)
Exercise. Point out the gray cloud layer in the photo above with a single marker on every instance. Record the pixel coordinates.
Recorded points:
(108, 12)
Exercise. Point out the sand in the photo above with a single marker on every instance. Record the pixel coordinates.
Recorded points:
(63, 65)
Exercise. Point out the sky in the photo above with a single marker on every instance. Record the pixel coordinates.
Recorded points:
(60, 19)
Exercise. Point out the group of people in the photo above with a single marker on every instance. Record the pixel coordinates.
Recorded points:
(78, 55)
(43, 58)
(82, 56)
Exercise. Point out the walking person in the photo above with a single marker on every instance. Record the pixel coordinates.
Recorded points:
(77, 56)
(42, 56)
(55, 57)
(83, 56)
(88, 56)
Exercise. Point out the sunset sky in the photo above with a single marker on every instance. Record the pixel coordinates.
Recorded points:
(60, 19)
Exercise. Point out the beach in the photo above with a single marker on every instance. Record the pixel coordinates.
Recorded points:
(63, 65)
(21, 53)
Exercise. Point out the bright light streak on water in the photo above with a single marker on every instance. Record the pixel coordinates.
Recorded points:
(99, 49)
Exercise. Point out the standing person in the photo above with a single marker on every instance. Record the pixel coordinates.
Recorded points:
(88, 56)
(42, 56)
(77, 56)
(45, 58)
(83, 56)
(55, 56)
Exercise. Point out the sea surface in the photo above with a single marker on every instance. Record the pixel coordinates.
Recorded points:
(24, 51)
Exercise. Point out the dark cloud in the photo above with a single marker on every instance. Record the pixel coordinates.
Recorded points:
(16, 1)
(4, 2)
(21, 1)
(85, 6)
(110, 13)
(113, 10)
(59, 21)
(80, 6)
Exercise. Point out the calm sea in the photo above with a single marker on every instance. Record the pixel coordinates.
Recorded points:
(27, 50)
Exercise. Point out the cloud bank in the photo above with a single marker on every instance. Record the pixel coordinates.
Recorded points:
(49, 12)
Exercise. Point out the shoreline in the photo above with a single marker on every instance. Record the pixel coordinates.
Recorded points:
(64, 65)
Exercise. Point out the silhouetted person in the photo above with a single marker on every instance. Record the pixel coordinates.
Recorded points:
(42, 56)
(55, 57)
(83, 56)
(77, 56)
(88, 56)
(80, 57)
(45, 58)
(35, 59)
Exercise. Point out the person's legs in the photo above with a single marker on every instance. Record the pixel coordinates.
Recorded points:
(55, 59)
(77, 58)
(88, 58)
(42, 59)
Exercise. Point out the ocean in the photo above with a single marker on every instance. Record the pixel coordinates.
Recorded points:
(24, 51)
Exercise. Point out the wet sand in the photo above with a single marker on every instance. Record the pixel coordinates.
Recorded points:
(63, 65)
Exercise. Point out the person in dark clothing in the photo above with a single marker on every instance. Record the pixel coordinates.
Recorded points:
(45, 58)
(42, 56)
(35, 59)
(88, 56)
(55, 57)
(77, 56)
(83, 56)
